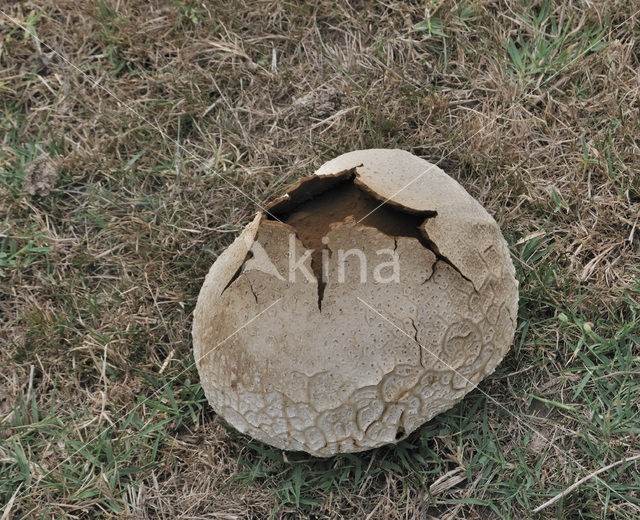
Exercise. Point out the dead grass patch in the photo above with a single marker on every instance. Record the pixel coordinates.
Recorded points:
(99, 276)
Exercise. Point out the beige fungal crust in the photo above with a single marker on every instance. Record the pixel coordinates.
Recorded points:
(342, 365)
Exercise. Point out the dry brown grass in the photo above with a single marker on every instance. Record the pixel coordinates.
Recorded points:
(169, 122)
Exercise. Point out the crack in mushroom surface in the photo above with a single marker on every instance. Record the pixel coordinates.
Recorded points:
(345, 362)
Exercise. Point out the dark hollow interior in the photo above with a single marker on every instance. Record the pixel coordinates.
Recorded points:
(313, 217)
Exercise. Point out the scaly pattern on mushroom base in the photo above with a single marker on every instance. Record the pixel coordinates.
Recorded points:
(365, 361)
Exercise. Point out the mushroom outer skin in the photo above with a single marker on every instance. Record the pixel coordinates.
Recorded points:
(377, 359)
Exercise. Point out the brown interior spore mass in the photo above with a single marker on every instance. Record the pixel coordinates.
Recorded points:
(313, 214)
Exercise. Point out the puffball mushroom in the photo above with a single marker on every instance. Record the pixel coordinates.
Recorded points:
(400, 310)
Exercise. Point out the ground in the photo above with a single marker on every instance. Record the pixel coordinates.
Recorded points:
(138, 137)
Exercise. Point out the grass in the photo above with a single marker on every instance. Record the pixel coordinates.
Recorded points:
(551, 46)
(152, 116)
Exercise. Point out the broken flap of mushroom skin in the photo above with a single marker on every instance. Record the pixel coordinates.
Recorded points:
(349, 364)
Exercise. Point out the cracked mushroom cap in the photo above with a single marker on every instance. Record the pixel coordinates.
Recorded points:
(398, 311)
